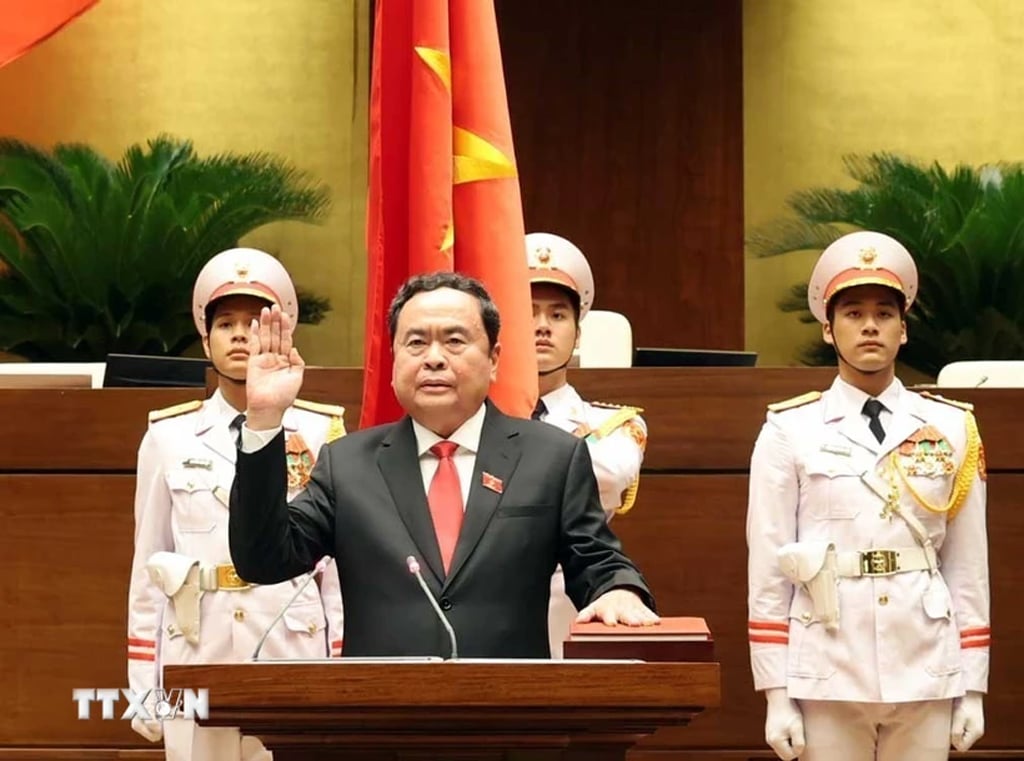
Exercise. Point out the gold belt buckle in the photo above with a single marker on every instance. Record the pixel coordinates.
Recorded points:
(227, 578)
(878, 562)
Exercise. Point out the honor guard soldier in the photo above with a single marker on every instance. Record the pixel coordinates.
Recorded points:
(186, 604)
(868, 571)
(562, 287)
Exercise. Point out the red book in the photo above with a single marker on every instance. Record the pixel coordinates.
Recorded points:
(674, 638)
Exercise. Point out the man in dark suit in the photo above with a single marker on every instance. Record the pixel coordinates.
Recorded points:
(490, 504)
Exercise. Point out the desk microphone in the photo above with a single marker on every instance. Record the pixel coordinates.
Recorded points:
(414, 569)
(320, 567)
(984, 378)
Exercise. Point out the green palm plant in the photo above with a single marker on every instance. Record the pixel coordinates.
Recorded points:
(965, 230)
(98, 257)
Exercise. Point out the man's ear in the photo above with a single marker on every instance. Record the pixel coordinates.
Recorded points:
(826, 333)
(903, 332)
(206, 346)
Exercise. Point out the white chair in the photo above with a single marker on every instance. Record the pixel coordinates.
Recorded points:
(987, 373)
(51, 374)
(606, 340)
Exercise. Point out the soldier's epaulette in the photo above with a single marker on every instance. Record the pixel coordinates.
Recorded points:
(333, 410)
(175, 410)
(623, 414)
(796, 401)
(966, 406)
(610, 406)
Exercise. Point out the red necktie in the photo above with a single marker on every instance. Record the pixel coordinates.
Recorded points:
(445, 499)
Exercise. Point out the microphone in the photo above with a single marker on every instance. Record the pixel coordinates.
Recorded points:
(984, 378)
(414, 569)
(318, 568)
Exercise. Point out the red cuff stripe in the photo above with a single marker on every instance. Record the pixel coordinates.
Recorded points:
(336, 643)
(976, 643)
(777, 626)
(975, 631)
(136, 642)
(769, 638)
(141, 656)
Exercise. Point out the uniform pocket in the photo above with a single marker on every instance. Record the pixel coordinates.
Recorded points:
(305, 620)
(808, 656)
(834, 487)
(193, 502)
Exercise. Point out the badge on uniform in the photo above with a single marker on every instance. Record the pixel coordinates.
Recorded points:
(927, 453)
(300, 461)
(840, 449)
(197, 462)
(491, 482)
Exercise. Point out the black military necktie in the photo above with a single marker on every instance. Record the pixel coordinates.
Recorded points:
(236, 428)
(539, 410)
(873, 409)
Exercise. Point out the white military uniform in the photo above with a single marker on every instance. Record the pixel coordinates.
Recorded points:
(615, 437)
(185, 470)
(819, 477)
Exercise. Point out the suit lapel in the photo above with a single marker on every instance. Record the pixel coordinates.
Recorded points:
(216, 437)
(855, 428)
(906, 419)
(399, 464)
(497, 456)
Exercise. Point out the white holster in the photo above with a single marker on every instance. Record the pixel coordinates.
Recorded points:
(812, 565)
(177, 576)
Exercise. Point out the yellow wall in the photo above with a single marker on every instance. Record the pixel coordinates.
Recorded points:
(931, 79)
(285, 76)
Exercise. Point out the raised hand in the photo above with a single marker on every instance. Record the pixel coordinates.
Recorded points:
(275, 370)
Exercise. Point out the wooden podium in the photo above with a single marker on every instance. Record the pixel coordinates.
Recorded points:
(467, 709)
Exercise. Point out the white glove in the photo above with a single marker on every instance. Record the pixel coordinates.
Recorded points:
(968, 723)
(151, 729)
(784, 725)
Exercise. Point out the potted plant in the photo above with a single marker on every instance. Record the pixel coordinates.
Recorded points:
(965, 230)
(98, 257)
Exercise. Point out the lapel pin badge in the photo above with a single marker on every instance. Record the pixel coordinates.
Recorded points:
(492, 482)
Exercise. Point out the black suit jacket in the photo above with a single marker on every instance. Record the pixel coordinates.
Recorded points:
(365, 505)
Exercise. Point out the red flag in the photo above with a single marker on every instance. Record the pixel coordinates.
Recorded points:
(26, 23)
(444, 192)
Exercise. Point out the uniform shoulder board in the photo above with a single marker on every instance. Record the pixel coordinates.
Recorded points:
(336, 428)
(796, 401)
(623, 414)
(966, 406)
(333, 410)
(610, 406)
(175, 410)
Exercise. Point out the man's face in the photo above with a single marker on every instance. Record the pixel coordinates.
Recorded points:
(227, 341)
(555, 331)
(867, 328)
(443, 365)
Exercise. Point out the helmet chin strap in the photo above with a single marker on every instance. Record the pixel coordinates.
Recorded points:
(226, 377)
(844, 359)
(543, 373)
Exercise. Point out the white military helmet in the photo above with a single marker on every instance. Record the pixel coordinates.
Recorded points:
(861, 258)
(246, 272)
(553, 259)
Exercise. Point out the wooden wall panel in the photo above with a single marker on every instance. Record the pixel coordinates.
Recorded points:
(628, 128)
(67, 550)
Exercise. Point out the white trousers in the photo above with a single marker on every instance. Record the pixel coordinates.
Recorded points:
(184, 741)
(837, 731)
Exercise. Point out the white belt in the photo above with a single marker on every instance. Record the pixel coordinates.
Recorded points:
(881, 562)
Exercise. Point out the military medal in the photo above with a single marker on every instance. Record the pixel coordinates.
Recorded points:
(927, 454)
(300, 461)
